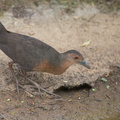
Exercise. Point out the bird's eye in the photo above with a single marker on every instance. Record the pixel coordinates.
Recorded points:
(76, 58)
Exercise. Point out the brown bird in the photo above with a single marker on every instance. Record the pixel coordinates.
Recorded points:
(32, 54)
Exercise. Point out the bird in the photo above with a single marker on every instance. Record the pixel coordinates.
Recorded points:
(31, 54)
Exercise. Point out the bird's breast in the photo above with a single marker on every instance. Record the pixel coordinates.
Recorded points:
(45, 66)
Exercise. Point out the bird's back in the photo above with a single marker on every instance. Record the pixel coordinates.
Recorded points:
(25, 50)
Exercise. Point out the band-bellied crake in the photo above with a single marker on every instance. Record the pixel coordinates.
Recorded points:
(34, 55)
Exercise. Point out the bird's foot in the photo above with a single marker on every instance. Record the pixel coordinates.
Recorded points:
(42, 89)
(27, 91)
(39, 87)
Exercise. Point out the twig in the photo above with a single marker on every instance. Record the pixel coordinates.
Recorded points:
(88, 20)
(49, 86)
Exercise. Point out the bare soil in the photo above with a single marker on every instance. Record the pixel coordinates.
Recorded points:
(78, 100)
(80, 103)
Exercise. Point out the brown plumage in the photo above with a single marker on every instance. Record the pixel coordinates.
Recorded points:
(32, 54)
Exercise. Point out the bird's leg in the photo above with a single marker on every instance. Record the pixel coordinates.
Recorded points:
(13, 74)
(23, 74)
(31, 93)
(38, 86)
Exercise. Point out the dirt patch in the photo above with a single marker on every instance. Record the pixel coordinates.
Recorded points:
(75, 104)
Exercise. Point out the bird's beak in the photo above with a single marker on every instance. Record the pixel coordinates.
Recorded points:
(84, 63)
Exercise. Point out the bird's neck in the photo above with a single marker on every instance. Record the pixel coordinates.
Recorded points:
(65, 62)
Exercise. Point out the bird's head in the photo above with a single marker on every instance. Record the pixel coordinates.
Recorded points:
(73, 56)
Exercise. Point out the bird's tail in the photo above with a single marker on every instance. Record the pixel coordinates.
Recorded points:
(2, 28)
(2, 35)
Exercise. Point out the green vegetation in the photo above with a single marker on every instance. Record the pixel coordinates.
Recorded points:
(103, 5)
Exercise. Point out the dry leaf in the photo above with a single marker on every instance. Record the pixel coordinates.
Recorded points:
(107, 74)
(86, 43)
(93, 4)
(76, 17)
(69, 100)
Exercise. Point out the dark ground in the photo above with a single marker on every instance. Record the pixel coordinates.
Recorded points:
(80, 103)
